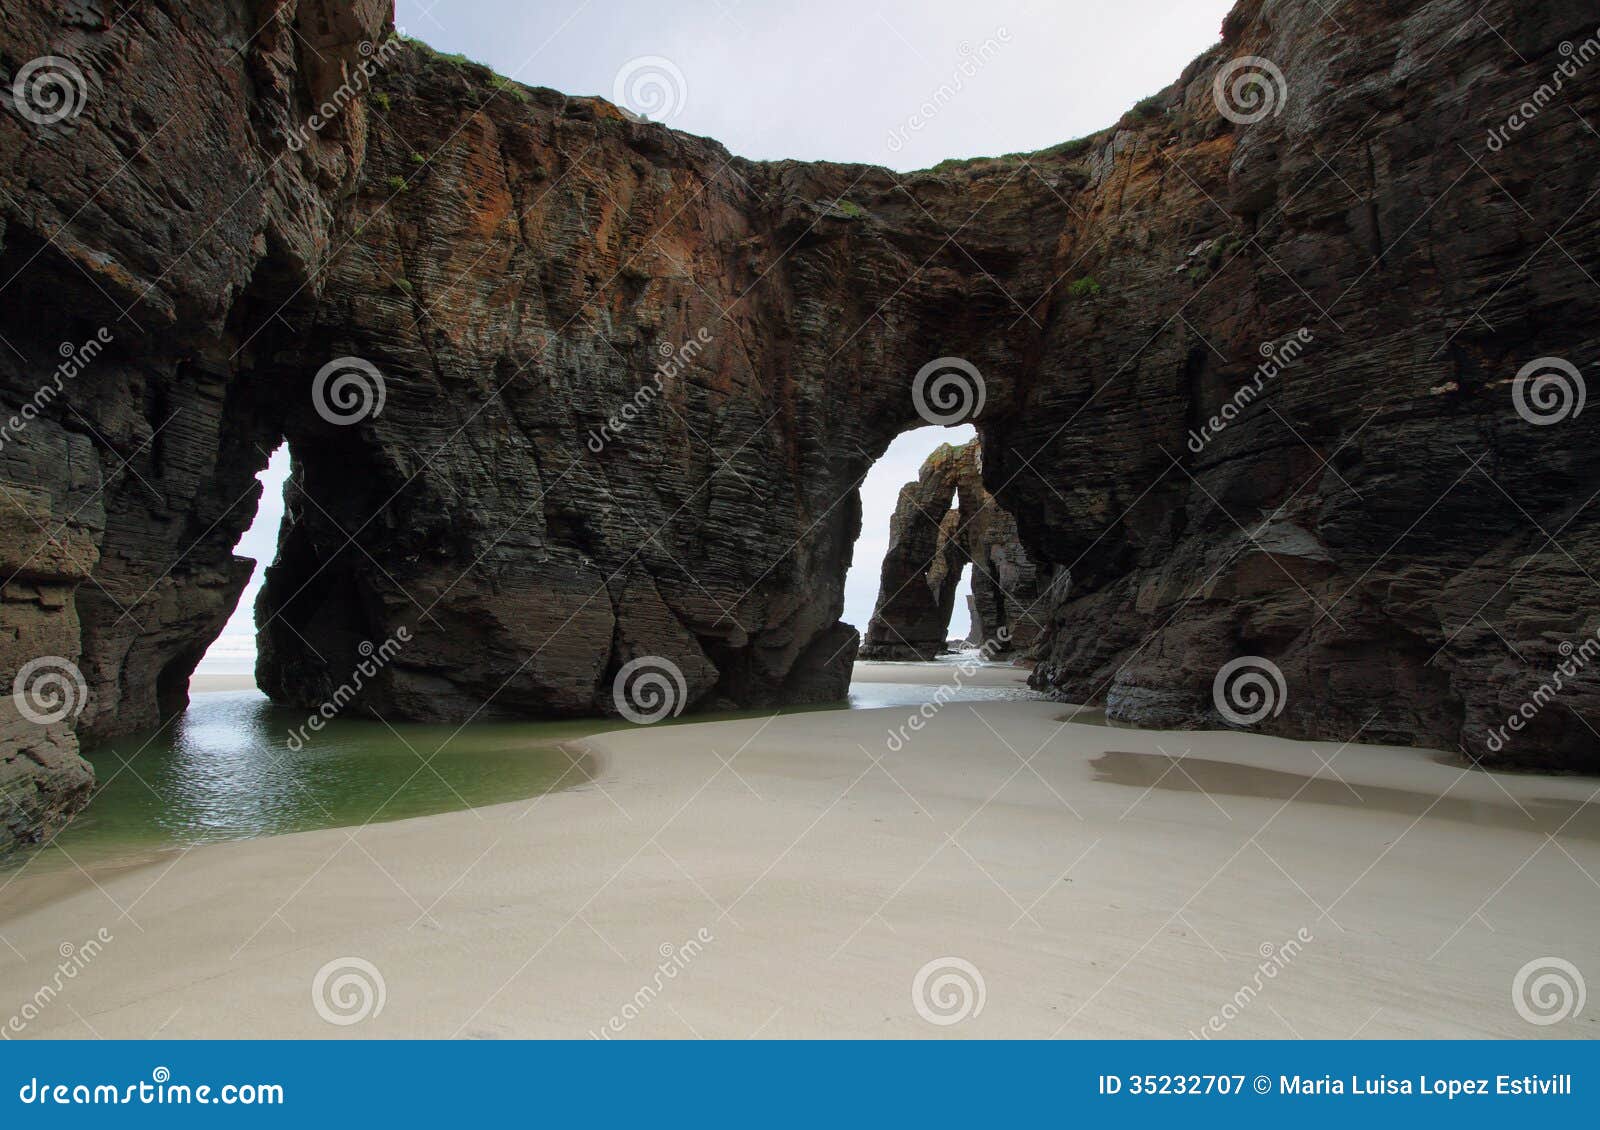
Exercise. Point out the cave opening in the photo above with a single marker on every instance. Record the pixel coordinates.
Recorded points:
(230, 661)
(890, 560)
(952, 586)
(951, 569)
(958, 630)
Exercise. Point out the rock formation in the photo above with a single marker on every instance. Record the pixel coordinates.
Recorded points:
(550, 481)
(1399, 519)
(148, 210)
(930, 543)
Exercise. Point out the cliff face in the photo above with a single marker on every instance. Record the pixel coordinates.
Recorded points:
(147, 204)
(930, 543)
(1396, 521)
(628, 382)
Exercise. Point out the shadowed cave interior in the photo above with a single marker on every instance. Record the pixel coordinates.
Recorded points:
(928, 547)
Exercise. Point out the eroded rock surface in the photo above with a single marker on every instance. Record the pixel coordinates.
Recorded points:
(1379, 522)
(930, 542)
(135, 235)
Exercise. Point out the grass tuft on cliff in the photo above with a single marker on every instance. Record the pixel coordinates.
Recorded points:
(432, 57)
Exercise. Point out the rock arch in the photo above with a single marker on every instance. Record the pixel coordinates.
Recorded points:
(943, 520)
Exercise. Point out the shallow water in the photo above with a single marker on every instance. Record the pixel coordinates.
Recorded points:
(872, 696)
(226, 770)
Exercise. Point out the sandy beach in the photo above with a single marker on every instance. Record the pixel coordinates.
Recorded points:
(793, 876)
(949, 671)
(211, 684)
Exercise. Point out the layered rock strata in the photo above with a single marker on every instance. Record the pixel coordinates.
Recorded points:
(1397, 513)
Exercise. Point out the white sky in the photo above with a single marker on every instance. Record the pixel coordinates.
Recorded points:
(831, 79)
(822, 79)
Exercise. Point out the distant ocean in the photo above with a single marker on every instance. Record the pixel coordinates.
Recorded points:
(232, 654)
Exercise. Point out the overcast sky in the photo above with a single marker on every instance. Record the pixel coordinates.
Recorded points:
(842, 80)
(835, 79)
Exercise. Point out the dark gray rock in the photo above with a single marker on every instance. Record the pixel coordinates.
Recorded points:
(930, 542)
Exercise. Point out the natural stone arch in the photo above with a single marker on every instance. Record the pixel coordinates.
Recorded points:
(930, 541)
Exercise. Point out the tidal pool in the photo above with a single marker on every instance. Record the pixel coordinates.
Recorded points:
(227, 769)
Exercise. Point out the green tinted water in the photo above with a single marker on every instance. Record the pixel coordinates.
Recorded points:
(225, 770)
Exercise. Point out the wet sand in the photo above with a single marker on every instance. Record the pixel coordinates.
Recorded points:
(209, 684)
(948, 671)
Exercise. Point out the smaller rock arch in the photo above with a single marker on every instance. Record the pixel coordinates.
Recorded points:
(942, 521)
